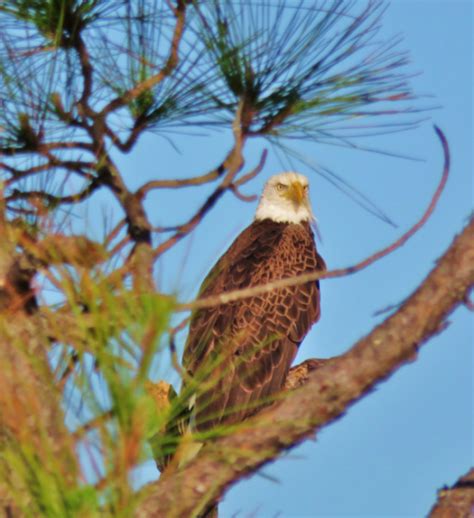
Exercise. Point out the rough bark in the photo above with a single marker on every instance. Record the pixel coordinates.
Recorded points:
(456, 501)
(327, 394)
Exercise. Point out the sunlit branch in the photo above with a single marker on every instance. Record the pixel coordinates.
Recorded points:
(231, 296)
(456, 501)
(328, 392)
(232, 164)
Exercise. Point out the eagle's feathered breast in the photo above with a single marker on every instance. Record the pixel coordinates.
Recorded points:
(239, 353)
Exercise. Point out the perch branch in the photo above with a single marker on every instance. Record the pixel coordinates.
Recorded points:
(327, 394)
(456, 501)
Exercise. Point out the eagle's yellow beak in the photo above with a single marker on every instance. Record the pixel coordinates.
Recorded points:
(296, 193)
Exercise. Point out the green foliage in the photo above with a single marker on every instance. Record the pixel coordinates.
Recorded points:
(290, 60)
(49, 494)
(59, 21)
(114, 341)
(303, 69)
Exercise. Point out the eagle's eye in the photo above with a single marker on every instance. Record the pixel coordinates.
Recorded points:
(306, 188)
(281, 187)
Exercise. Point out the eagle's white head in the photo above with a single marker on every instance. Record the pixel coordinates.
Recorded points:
(285, 199)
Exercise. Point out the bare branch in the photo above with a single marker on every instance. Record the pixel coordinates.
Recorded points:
(184, 182)
(77, 166)
(139, 126)
(232, 164)
(53, 200)
(45, 147)
(87, 75)
(241, 196)
(329, 392)
(252, 174)
(231, 296)
(456, 501)
(299, 374)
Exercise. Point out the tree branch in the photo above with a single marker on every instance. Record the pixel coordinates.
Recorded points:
(31, 415)
(46, 147)
(182, 182)
(231, 296)
(170, 65)
(233, 163)
(51, 199)
(87, 75)
(456, 501)
(76, 166)
(329, 392)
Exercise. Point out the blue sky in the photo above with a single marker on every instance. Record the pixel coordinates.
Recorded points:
(391, 452)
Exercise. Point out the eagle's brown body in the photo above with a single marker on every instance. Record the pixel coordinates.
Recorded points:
(239, 353)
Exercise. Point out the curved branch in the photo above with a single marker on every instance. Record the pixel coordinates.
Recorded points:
(231, 296)
(329, 392)
(183, 182)
(87, 74)
(233, 163)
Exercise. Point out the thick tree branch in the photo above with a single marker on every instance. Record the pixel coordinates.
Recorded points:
(329, 392)
(31, 415)
(456, 501)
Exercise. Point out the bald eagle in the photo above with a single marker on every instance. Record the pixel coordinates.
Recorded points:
(238, 354)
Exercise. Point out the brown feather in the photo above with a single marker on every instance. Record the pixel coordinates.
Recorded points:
(239, 353)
